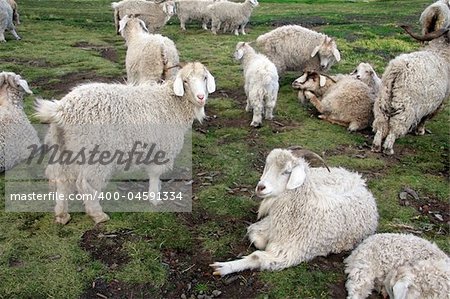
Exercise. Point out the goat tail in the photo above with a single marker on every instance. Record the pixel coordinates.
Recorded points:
(47, 111)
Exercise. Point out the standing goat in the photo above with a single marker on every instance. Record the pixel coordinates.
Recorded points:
(295, 48)
(16, 132)
(150, 57)
(261, 82)
(233, 15)
(154, 14)
(307, 212)
(115, 117)
(413, 88)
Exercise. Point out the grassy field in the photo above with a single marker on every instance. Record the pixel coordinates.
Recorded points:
(151, 255)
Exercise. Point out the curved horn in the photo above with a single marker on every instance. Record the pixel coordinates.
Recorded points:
(426, 37)
(307, 155)
(328, 76)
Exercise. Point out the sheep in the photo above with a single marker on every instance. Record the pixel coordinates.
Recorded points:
(154, 14)
(16, 132)
(234, 15)
(347, 102)
(194, 10)
(261, 82)
(369, 264)
(308, 212)
(436, 16)
(414, 86)
(419, 279)
(157, 114)
(16, 17)
(150, 57)
(6, 21)
(366, 73)
(296, 48)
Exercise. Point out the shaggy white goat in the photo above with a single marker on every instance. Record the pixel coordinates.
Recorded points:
(366, 73)
(234, 15)
(347, 102)
(15, 8)
(16, 132)
(261, 82)
(155, 15)
(198, 10)
(369, 264)
(150, 57)
(296, 48)
(6, 20)
(308, 212)
(414, 86)
(143, 113)
(436, 16)
(419, 279)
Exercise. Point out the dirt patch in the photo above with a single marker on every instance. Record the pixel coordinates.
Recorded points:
(308, 22)
(101, 289)
(69, 81)
(106, 247)
(32, 63)
(106, 52)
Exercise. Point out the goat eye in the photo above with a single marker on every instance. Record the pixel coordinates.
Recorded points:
(287, 172)
(184, 81)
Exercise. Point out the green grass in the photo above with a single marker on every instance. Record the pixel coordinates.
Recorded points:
(39, 259)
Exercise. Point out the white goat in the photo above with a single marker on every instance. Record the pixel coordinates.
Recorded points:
(154, 14)
(150, 57)
(366, 73)
(414, 86)
(6, 20)
(295, 48)
(369, 264)
(261, 82)
(198, 10)
(16, 132)
(234, 15)
(143, 113)
(308, 212)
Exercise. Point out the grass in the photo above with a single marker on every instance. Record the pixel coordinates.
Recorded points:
(61, 48)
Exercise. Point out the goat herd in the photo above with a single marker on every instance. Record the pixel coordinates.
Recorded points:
(305, 212)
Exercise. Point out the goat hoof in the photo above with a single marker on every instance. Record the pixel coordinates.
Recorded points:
(62, 219)
(388, 151)
(376, 148)
(256, 124)
(101, 217)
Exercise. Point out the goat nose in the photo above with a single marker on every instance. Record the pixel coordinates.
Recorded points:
(200, 96)
(260, 187)
(358, 77)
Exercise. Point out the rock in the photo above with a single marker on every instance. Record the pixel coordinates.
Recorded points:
(216, 293)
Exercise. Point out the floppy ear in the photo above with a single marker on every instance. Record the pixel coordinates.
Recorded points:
(336, 54)
(22, 83)
(322, 80)
(165, 9)
(122, 23)
(239, 54)
(178, 87)
(210, 83)
(316, 49)
(302, 78)
(297, 177)
(401, 289)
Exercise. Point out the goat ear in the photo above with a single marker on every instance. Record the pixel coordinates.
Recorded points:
(400, 289)
(302, 78)
(316, 49)
(322, 80)
(122, 23)
(297, 177)
(239, 54)
(210, 82)
(178, 87)
(22, 83)
(336, 54)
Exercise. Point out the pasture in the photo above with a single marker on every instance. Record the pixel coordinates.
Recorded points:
(166, 255)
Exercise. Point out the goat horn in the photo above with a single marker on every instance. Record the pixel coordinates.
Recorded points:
(307, 154)
(426, 37)
(328, 76)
